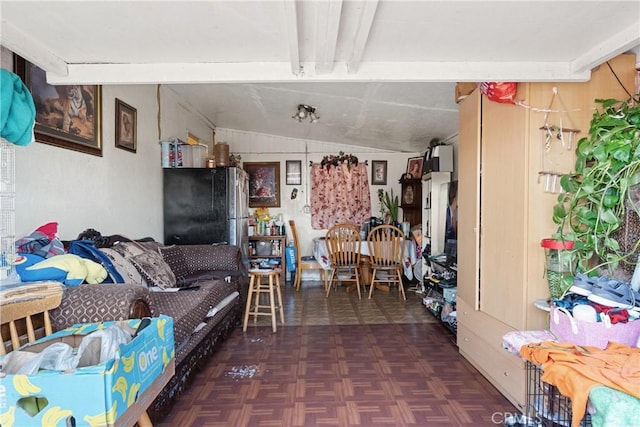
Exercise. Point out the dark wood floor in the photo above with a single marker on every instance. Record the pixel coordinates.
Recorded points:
(373, 369)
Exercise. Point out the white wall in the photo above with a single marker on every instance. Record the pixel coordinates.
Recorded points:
(178, 118)
(118, 193)
(255, 147)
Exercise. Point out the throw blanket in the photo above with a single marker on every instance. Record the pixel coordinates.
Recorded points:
(17, 110)
(613, 407)
(575, 370)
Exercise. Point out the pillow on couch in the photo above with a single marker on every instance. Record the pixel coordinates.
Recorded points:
(126, 269)
(129, 249)
(154, 270)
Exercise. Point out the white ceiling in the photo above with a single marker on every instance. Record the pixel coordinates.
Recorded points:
(380, 73)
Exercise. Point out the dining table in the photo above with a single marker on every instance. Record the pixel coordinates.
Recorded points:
(321, 254)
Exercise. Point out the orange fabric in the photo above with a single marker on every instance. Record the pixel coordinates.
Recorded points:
(574, 370)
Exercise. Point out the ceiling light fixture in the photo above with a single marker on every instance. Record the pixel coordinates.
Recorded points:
(306, 112)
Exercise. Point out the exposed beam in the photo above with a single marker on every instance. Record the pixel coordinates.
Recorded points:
(362, 34)
(619, 43)
(281, 72)
(329, 13)
(24, 45)
(291, 22)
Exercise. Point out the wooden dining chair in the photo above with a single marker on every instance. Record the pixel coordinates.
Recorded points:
(305, 262)
(343, 246)
(25, 313)
(386, 254)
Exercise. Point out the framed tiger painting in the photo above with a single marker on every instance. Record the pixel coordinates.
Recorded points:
(67, 116)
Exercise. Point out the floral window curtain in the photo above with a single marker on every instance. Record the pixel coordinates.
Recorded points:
(339, 194)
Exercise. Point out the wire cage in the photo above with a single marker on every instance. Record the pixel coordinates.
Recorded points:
(545, 405)
(7, 212)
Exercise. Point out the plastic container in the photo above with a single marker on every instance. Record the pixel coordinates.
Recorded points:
(290, 256)
(559, 265)
(221, 154)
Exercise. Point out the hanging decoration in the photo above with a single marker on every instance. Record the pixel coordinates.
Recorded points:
(551, 132)
(557, 131)
(331, 160)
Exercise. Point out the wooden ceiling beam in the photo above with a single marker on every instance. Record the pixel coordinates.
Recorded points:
(17, 40)
(362, 35)
(328, 27)
(291, 22)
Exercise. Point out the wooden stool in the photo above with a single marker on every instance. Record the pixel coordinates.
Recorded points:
(256, 287)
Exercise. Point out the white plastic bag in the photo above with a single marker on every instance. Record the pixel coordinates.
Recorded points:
(95, 348)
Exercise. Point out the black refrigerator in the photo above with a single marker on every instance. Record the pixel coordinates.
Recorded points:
(204, 206)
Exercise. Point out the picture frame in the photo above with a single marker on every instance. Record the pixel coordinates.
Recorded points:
(67, 116)
(264, 184)
(414, 167)
(294, 172)
(126, 126)
(378, 172)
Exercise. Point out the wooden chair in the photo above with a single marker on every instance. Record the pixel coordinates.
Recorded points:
(305, 262)
(343, 246)
(386, 252)
(25, 311)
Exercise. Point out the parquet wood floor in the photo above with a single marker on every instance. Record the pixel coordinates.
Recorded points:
(341, 362)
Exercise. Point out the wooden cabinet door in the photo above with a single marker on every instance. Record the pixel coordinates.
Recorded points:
(469, 199)
(503, 212)
(491, 209)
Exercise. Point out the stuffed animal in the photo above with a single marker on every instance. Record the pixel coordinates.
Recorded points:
(69, 269)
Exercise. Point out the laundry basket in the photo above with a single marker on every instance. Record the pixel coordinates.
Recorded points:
(545, 405)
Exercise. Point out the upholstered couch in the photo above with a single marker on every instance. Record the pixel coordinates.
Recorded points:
(206, 309)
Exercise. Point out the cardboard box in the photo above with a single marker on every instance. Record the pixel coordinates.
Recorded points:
(92, 395)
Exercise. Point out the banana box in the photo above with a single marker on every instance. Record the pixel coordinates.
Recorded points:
(92, 395)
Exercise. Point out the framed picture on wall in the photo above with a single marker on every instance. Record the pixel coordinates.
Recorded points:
(125, 126)
(294, 172)
(67, 116)
(264, 184)
(414, 167)
(378, 172)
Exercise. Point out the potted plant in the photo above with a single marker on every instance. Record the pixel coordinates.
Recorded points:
(389, 204)
(592, 208)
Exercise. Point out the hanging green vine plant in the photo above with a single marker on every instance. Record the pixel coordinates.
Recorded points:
(593, 205)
